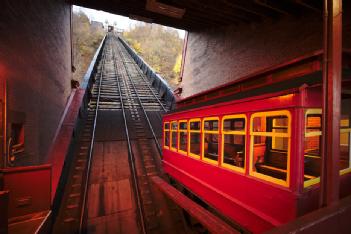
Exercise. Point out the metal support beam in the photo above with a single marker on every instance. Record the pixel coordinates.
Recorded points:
(331, 101)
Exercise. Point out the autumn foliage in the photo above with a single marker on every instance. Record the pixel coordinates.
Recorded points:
(160, 47)
(86, 38)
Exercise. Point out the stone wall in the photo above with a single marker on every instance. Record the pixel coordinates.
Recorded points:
(35, 52)
(221, 55)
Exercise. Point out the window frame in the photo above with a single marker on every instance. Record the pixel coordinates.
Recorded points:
(266, 114)
(347, 130)
(164, 134)
(189, 137)
(318, 111)
(243, 133)
(213, 162)
(274, 140)
(171, 136)
(311, 111)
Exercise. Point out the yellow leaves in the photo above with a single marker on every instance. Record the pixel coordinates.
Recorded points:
(136, 46)
(160, 47)
(86, 38)
(178, 64)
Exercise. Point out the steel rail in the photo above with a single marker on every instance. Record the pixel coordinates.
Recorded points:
(142, 107)
(91, 148)
(130, 153)
(147, 83)
(138, 69)
(150, 88)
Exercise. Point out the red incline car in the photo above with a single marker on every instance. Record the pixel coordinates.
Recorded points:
(255, 160)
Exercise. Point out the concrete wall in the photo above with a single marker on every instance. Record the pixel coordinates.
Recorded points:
(217, 56)
(35, 52)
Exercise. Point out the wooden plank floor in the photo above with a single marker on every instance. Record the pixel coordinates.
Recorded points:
(110, 204)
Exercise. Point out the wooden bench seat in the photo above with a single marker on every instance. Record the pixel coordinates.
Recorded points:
(312, 165)
(271, 171)
(277, 158)
(234, 154)
(195, 148)
(274, 165)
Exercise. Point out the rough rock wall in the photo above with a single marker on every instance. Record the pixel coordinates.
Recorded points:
(35, 52)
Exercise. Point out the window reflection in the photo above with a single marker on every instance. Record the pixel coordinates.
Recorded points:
(345, 143)
(183, 136)
(166, 135)
(194, 138)
(270, 155)
(174, 128)
(312, 143)
(211, 140)
(234, 142)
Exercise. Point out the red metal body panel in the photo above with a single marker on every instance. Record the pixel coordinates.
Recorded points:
(30, 189)
(256, 204)
(241, 201)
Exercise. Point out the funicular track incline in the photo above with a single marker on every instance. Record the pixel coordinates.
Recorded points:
(121, 87)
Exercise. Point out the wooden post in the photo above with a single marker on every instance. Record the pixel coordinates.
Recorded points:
(331, 101)
(2, 121)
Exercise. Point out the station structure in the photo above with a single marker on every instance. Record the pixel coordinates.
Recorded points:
(255, 139)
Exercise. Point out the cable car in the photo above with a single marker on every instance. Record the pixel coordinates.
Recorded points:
(256, 159)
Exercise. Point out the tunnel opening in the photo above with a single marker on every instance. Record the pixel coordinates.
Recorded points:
(240, 122)
(160, 46)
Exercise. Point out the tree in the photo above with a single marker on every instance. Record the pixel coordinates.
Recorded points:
(160, 47)
(177, 65)
(86, 38)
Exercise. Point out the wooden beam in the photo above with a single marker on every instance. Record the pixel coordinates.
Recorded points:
(331, 102)
(332, 219)
(209, 220)
(252, 8)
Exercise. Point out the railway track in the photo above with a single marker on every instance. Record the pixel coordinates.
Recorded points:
(69, 218)
(138, 96)
(120, 87)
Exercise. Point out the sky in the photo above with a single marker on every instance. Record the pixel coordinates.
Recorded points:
(122, 21)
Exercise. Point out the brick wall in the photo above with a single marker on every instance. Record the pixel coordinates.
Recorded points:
(35, 52)
(217, 56)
